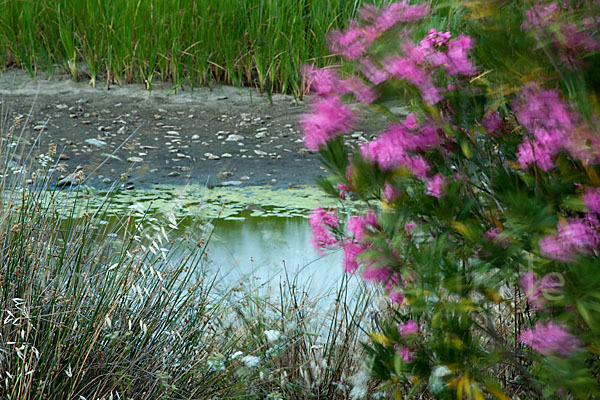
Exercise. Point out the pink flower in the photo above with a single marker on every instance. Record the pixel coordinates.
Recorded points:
(329, 118)
(398, 146)
(322, 222)
(492, 236)
(391, 193)
(399, 12)
(458, 61)
(324, 81)
(373, 73)
(529, 154)
(549, 339)
(492, 122)
(381, 275)
(409, 228)
(540, 15)
(351, 43)
(591, 198)
(435, 186)
(351, 254)
(359, 225)
(406, 354)
(396, 297)
(343, 190)
(409, 328)
(575, 236)
(536, 289)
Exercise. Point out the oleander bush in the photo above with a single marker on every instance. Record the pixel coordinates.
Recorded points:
(480, 199)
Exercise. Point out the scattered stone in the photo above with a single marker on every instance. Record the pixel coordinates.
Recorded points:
(231, 183)
(162, 110)
(261, 129)
(122, 130)
(135, 159)
(63, 157)
(245, 178)
(234, 138)
(38, 127)
(195, 137)
(128, 186)
(211, 156)
(304, 151)
(102, 128)
(260, 135)
(62, 106)
(154, 170)
(172, 133)
(180, 155)
(226, 155)
(173, 174)
(96, 142)
(224, 174)
(145, 147)
(260, 153)
(222, 97)
(106, 180)
(82, 101)
(118, 105)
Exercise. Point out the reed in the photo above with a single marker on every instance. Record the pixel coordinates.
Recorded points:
(239, 42)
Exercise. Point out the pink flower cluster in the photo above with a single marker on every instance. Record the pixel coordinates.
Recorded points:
(536, 289)
(398, 146)
(353, 246)
(549, 339)
(353, 42)
(591, 198)
(408, 328)
(572, 40)
(435, 186)
(573, 237)
(492, 122)
(553, 127)
(326, 82)
(329, 118)
(322, 222)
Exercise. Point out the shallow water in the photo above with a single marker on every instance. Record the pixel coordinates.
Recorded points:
(267, 247)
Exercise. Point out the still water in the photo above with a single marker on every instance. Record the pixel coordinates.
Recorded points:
(265, 248)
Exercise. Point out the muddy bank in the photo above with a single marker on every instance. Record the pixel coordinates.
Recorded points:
(224, 136)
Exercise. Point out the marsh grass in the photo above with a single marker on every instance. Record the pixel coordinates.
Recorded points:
(98, 310)
(241, 42)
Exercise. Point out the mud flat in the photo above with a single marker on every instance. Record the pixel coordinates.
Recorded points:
(224, 136)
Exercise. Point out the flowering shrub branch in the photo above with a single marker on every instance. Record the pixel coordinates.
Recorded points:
(481, 203)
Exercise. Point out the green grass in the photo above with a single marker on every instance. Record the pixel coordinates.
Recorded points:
(261, 43)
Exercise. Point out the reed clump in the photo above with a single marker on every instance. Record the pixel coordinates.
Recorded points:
(259, 43)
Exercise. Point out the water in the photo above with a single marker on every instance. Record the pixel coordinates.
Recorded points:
(265, 248)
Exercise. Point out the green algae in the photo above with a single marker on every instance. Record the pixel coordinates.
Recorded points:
(201, 202)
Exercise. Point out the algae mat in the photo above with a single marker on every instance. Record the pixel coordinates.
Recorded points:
(199, 201)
